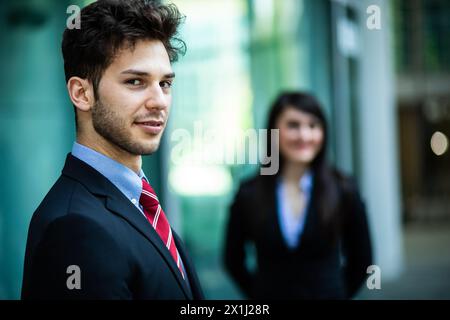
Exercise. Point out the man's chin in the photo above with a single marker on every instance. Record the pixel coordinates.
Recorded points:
(148, 153)
(148, 150)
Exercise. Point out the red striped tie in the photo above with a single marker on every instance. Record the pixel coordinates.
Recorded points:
(155, 215)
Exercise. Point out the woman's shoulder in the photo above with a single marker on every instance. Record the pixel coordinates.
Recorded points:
(345, 182)
(254, 185)
(249, 185)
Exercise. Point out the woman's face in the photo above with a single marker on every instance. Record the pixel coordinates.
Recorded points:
(301, 135)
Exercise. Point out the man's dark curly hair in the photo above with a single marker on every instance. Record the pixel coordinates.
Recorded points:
(108, 26)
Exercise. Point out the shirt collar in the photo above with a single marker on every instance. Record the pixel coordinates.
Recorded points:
(306, 181)
(125, 179)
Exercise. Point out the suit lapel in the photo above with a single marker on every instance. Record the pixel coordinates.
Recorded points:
(303, 236)
(191, 274)
(270, 217)
(274, 220)
(130, 213)
(310, 224)
(120, 205)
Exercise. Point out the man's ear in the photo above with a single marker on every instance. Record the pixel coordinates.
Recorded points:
(81, 93)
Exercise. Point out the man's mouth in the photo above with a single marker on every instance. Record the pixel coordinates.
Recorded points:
(151, 126)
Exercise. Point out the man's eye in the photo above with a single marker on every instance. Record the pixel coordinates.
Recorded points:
(166, 84)
(134, 82)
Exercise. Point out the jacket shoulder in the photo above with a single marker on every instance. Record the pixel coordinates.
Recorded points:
(66, 196)
(249, 184)
(346, 183)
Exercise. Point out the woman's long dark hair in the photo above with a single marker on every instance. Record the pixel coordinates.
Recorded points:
(325, 183)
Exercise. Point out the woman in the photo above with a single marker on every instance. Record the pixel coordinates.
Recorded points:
(307, 222)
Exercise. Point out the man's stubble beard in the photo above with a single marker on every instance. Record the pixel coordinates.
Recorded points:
(115, 130)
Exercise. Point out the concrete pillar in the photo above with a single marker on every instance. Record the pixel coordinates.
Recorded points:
(378, 143)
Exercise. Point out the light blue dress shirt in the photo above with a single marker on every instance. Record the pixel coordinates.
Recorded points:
(125, 179)
(291, 227)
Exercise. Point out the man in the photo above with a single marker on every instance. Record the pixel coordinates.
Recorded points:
(100, 233)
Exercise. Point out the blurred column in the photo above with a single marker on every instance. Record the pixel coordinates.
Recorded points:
(378, 155)
(345, 52)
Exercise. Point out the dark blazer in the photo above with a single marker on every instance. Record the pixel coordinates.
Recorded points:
(86, 221)
(321, 267)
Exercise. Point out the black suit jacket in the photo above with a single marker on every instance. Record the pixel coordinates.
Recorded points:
(86, 221)
(321, 267)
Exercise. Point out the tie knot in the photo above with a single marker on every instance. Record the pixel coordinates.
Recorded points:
(147, 187)
(148, 195)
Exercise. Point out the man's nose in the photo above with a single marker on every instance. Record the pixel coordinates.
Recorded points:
(156, 98)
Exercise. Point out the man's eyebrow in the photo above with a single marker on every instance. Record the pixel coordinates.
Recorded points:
(144, 73)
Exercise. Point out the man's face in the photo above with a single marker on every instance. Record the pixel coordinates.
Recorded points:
(134, 97)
